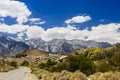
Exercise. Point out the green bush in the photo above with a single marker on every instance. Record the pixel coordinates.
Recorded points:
(74, 61)
(115, 61)
(118, 45)
(14, 64)
(52, 69)
(49, 65)
(50, 62)
(94, 53)
(42, 65)
(87, 67)
(78, 62)
(105, 67)
(25, 63)
(62, 66)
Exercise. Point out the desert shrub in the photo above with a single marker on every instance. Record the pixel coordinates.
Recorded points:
(42, 65)
(94, 53)
(118, 45)
(87, 67)
(13, 64)
(115, 61)
(50, 62)
(108, 52)
(77, 75)
(52, 68)
(62, 66)
(49, 65)
(63, 75)
(111, 51)
(74, 61)
(105, 67)
(78, 62)
(106, 76)
(4, 65)
(25, 63)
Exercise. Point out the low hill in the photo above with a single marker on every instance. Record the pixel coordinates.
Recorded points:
(32, 54)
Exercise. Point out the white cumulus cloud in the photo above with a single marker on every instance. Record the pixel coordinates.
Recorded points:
(105, 33)
(78, 19)
(68, 33)
(21, 30)
(101, 33)
(36, 21)
(14, 9)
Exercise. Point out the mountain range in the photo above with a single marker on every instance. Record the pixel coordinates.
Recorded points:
(10, 47)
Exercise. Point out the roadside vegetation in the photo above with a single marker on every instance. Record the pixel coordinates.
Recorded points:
(12, 63)
(101, 63)
(6, 65)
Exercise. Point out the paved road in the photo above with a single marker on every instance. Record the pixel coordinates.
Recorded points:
(23, 73)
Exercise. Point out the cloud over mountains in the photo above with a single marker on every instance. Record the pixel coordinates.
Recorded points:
(19, 10)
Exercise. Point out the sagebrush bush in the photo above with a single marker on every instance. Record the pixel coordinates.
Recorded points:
(13, 64)
(25, 63)
(105, 76)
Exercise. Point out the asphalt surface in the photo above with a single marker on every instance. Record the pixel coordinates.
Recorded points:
(22, 73)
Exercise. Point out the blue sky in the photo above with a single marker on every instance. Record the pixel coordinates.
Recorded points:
(96, 20)
(55, 12)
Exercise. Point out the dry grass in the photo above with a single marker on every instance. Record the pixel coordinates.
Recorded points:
(64, 75)
(4, 66)
(106, 76)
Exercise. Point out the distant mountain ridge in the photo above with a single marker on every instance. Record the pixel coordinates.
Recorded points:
(9, 47)
(63, 46)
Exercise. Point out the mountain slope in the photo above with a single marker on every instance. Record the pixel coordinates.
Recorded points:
(4, 51)
(10, 47)
(64, 46)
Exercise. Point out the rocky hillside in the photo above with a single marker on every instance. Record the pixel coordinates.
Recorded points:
(64, 46)
(32, 54)
(11, 47)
